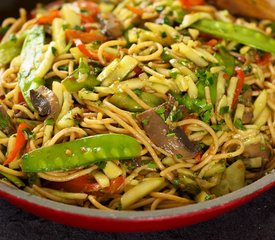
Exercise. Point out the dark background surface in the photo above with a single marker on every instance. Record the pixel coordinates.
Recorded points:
(253, 221)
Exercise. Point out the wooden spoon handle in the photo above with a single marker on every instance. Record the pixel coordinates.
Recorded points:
(263, 9)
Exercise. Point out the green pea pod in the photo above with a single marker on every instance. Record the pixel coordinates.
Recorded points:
(124, 101)
(237, 33)
(11, 48)
(81, 152)
(15, 180)
(80, 78)
(227, 60)
(30, 58)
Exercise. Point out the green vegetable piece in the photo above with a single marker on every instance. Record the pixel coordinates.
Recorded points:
(80, 78)
(272, 25)
(6, 124)
(117, 70)
(124, 101)
(30, 58)
(222, 188)
(237, 33)
(238, 124)
(15, 180)
(31, 123)
(3, 30)
(81, 152)
(227, 60)
(235, 175)
(253, 163)
(140, 190)
(166, 55)
(33, 179)
(206, 78)
(190, 184)
(203, 196)
(224, 110)
(215, 169)
(232, 180)
(199, 106)
(10, 49)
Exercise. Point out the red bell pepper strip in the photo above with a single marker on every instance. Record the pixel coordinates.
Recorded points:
(86, 184)
(115, 184)
(87, 19)
(91, 7)
(264, 60)
(240, 75)
(85, 37)
(212, 42)
(92, 10)
(81, 184)
(87, 52)
(198, 156)
(226, 76)
(48, 19)
(19, 143)
(190, 3)
(92, 53)
(20, 97)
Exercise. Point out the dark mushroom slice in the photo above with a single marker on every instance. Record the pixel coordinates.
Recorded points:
(44, 101)
(185, 140)
(160, 134)
(6, 124)
(247, 115)
(111, 26)
(258, 150)
(247, 97)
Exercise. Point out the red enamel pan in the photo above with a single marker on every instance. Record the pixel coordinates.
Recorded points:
(131, 221)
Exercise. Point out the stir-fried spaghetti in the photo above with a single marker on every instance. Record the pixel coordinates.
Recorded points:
(137, 105)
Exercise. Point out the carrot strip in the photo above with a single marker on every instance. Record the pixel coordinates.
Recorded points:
(19, 143)
(135, 10)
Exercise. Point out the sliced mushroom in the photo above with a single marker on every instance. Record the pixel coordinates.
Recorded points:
(194, 148)
(247, 97)
(247, 115)
(44, 101)
(174, 142)
(6, 124)
(258, 150)
(111, 26)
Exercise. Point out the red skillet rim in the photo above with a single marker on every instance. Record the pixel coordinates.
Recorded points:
(130, 221)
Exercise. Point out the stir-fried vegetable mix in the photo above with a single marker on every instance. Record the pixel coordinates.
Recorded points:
(135, 104)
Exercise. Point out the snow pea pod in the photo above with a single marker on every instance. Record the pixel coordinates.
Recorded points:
(237, 33)
(81, 152)
(11, 48)
(30, 58)
(124, 101)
